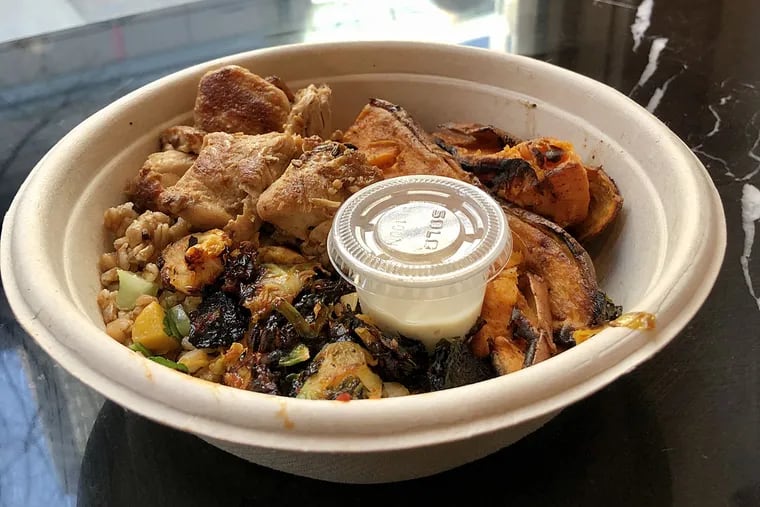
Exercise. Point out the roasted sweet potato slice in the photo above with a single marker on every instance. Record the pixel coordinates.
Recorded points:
(476, 147)
(550, 252)
(547, 291)
(506, 355)
(516, 309)
(533, 321)
(605, 204)
(501, 296)
(395, 143)
(471, 142)
(547, 177)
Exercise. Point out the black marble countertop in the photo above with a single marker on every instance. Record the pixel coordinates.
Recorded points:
(682, 429)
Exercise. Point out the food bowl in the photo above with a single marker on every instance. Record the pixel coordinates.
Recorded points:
(662, 256)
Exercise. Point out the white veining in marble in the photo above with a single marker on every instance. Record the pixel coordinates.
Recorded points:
(698, 150)
(642, 22)
(615, 4)
(752, 154)
(750, 215)
(654, 57)
(716, 126)
(658, 94)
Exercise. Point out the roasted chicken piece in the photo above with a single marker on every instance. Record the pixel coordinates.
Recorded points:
(311, 114)
(182, 138)
(228, 168)
(192, 262)
(160, 171)
(313, 188)
(391, 140)
(245, 226)
(282, 85)
(233, 99)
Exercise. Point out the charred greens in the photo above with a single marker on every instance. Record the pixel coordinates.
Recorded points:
(399, 359)
(454, 365)
(218, 322)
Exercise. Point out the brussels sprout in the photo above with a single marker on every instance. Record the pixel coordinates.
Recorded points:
(342, 368)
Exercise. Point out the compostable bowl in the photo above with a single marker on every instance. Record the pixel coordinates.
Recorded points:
(662, 256)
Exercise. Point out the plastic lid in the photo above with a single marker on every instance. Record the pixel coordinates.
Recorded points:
(419, 232)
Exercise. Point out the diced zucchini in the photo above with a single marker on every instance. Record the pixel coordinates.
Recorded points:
(149, 332)
(131, 287)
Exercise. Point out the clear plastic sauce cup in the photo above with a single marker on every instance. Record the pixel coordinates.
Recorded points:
(420, 251)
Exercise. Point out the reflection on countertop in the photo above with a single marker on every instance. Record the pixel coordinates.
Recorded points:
(680, 430)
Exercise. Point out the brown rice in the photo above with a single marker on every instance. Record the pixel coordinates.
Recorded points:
(139, 240)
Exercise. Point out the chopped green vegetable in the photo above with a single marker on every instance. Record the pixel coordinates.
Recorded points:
(176, 322)
(131, 287)
(303, 328)
(169, 363)
(299, 354)
(142, 349)
(181, 319)
(170, 328)
(137, 347)
(323, 314)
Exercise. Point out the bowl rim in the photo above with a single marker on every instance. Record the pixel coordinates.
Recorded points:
(362, 425)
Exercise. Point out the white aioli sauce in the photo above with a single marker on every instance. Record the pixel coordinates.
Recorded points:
(420, 251)
(428, 320)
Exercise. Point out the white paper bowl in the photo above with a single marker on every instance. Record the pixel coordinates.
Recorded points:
(663, 257)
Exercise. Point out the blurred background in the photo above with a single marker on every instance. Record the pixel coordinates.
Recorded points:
(54, 43)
